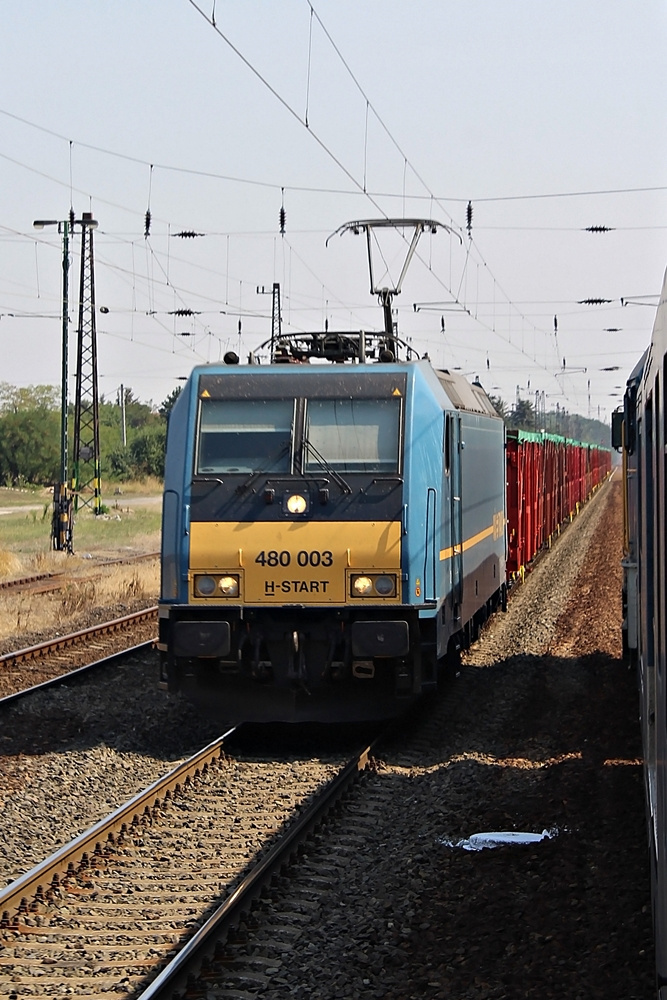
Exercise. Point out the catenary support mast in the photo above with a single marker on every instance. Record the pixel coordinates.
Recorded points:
(86, 484)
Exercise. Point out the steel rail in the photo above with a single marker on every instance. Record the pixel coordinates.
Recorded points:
(42, 583)
(63, 641)
(202, 944)
(46, 875)
(29, 581)
(76, 674)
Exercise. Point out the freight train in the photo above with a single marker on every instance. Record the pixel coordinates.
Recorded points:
(338, 523)
(640, 431)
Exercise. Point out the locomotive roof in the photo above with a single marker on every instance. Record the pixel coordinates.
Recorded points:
(464, 395)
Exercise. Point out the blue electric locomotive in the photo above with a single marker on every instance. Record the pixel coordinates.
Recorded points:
(331, 531)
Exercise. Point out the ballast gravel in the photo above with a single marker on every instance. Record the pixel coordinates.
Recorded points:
(538, 731)
(71, 755)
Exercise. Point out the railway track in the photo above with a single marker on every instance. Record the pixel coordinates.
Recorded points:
(44, 583)
(138, 900)
(56, 659)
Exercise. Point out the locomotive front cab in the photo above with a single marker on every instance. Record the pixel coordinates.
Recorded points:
(287, 568)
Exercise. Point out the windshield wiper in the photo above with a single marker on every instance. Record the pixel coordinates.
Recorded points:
(345, 487)
(242, 487)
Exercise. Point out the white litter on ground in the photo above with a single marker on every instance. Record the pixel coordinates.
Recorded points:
(481, 841)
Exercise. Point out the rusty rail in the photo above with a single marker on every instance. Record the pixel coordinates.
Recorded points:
(45, 877)
(63, 641)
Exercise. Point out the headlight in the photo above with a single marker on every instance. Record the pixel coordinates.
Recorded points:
(382, 585)
(296, 504)
(216, 586)
(229, 586)
(204, 586)
(385, 585)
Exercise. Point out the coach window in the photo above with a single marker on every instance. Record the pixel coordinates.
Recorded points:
(352, 435)
(244, 435)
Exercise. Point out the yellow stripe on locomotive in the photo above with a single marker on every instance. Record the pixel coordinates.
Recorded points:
(297, 562)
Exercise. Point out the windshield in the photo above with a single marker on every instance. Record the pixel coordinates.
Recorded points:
(352, 435)
(244, 435)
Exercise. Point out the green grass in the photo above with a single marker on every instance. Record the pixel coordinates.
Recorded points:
(31, 532)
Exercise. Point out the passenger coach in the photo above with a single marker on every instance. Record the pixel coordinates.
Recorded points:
(641, 431)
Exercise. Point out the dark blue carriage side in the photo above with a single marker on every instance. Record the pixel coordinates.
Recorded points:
(625, 432)
(437, 516)
(645, 572)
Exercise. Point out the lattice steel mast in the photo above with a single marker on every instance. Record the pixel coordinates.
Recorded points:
(86, 484)
(276, 319)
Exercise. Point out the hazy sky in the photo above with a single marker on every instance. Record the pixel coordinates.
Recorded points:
(548, 117)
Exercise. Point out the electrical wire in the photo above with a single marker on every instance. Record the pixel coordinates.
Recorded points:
(358, 191)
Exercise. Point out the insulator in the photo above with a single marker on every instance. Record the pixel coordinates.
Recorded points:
(594, 302)
(599, 229)
(555, 324)
(240, 327)
(71, 219)
(187, 234)
(283, 219)
(469, 218)
(147, 223)
(442, 324)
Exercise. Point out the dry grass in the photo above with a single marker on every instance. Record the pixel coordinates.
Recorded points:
(149, 486)
(71, 608)
(130, 583)
(11, 566)
(92, 592)
(15, 565)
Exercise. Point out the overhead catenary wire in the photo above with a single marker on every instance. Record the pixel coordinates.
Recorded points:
(356, 193)
(319, 189)
(288, 107)
(405, 162)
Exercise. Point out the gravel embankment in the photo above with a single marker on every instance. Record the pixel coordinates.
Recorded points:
(73, 754)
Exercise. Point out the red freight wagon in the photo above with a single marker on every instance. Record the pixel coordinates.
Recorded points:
(548, 476)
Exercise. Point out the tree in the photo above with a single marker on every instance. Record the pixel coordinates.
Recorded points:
(522, 415)
(31, 397)
(29, 446)
(147, 452)
(499, 405)
(119, 464)
(166, 406)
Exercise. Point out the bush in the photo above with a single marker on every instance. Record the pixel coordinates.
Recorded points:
(147, 452)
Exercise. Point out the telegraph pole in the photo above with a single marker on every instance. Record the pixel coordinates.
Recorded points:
(122, 416)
